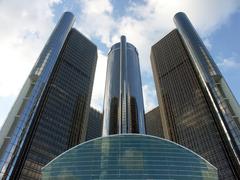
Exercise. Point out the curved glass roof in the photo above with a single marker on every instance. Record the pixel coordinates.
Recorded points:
(129, 156)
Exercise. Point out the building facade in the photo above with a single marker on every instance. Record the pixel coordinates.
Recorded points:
(154, 123)
(123, 101)
(197, 108)
(51, 112)
(129, 156)
(95, 123)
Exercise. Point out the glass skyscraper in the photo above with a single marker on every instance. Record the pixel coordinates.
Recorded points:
(123, 102)
(197, 108)
(126, 154)
(50, 114)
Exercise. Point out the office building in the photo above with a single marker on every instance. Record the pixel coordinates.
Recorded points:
(197, 108)
(50, 114)
(123, 102)
(95, 122)
(127, 154)
(153, 123)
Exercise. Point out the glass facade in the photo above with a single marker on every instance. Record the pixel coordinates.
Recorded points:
(129, 156)
(95, 122)
(226, 106)
(56, 113)
(38, 79)
(154, 123)
(187, 111)
(123, 101)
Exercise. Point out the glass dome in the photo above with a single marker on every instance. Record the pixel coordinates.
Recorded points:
(129, 156)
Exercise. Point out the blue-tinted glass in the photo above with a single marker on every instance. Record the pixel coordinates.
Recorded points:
(129, 156)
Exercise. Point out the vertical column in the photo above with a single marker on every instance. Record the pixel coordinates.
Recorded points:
(123, 100)
(123, 111)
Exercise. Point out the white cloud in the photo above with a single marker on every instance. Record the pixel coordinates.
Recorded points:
(99, 82)
(230, 62)
(5, 104)
(95, 19)
(153, 19)
(24, 30)
(207, 43)
(149, 97)
(205, 15)
(27, 25)
(148, 22)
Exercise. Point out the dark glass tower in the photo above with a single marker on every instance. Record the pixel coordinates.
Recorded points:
(197, 108)
(50, 115)
(95, 123)
(123, 101)
(125, 155)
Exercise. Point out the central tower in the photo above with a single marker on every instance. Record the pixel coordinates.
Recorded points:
(123, 101)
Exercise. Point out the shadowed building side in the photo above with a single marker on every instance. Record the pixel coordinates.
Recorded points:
(54, 118)
(219, 94)
(94, 128)
(154, 123)
(188, 112)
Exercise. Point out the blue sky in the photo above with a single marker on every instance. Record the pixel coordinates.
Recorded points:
(28, 24)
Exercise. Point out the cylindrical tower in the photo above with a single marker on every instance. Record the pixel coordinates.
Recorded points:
(224, 104)
(20, 118)
(123, 101)
(195, 46)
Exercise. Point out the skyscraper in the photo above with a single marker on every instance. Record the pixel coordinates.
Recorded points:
(50, 114)
(95, 122)
(125, 155)
(197, 108)
(154, 123)
(123, 102)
